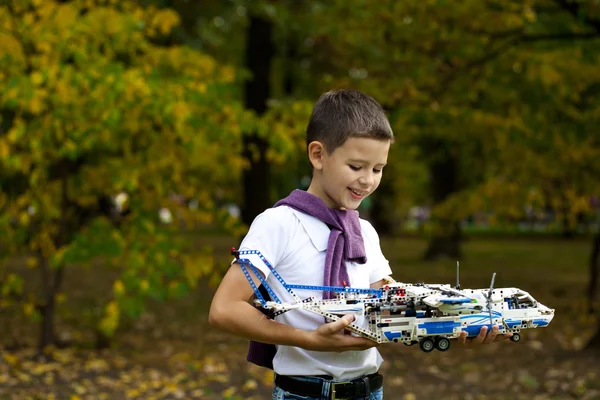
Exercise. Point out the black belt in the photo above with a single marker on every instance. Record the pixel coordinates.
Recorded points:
(360, 387)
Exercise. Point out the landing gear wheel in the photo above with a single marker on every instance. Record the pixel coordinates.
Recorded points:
(442, 344)
(427, 345)
(409, 343)
(515, 337)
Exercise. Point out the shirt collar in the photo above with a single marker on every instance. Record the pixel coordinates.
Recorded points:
(317, 230)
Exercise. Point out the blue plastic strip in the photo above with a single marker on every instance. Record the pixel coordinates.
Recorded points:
(268, 264)
(337, 289)
(263, 281)
(459, 300)
(251, 281)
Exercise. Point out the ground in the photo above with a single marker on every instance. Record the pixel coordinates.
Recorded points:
(172, 353)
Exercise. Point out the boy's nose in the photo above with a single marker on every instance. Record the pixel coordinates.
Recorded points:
(367, 180)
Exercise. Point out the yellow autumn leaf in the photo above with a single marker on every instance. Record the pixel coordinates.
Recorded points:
(32, 262)
(230, 391)
(37, 78)
(36, 105)
(250, 384)
(28, 309)
(110, 322)
(61, 298)
(118, 288)
(49, 380)
(10, 359)
(4, 149)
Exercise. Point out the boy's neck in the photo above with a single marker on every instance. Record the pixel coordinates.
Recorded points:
(316, 190)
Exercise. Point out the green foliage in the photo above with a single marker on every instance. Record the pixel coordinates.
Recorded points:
(92, 106)
(506, 89)
(98, 98)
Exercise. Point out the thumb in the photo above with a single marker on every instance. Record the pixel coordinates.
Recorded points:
(341, 323)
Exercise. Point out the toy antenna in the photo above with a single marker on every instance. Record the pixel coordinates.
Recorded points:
(489, 299)
(457, 275)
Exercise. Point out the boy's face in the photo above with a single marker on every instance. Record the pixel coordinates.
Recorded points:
(350, 173)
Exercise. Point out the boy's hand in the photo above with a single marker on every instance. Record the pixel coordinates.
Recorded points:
(330, 337)
(483, 337)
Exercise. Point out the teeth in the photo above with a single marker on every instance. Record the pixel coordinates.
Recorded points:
(358, 193)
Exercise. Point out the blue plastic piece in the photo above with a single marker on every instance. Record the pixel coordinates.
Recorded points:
(251, 281)
(263, 281)
(511, 323)
(459, 300)
(268, 264)
(392, 335)
(473, 330)
(439, 328)
(339, 289)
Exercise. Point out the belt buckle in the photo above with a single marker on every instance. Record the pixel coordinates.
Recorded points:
(333, 385)
(333, 392)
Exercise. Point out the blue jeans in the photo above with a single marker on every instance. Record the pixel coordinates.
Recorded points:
(280, 394)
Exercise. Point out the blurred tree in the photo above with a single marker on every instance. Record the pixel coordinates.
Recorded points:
(459, 89)
(259, 57)
(96, 102)
(545, 153)
(255, 37)
(447, 79)
(492, 102)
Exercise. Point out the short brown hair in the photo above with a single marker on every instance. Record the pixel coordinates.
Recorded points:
(341, 114)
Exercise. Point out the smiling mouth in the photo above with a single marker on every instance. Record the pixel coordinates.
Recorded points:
(357, 193)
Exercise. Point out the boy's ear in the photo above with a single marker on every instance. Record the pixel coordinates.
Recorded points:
(316, 153)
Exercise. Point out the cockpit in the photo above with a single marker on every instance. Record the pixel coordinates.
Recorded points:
(519, 300)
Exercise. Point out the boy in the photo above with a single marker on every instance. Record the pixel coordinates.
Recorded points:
(316, 238)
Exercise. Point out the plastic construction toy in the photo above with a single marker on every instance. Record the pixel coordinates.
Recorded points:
(425, 314)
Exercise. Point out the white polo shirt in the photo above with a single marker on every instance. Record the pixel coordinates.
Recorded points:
(295, 244)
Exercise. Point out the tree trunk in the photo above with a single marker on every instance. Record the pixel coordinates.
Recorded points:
(50, 286)
(256, 181)
(47, 336)
(445, 245)
(444, 182)
(593, 283)
(594, 343)
(568, 231)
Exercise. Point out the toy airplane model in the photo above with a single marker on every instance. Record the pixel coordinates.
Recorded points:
(427, 314)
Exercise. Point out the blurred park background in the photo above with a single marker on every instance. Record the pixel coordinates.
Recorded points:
(138, 139)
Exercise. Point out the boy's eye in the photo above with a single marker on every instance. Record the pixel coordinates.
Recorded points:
(376, 170)
(354, 168)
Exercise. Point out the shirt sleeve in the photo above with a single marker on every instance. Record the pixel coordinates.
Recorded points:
(380, 266)
(269, 234)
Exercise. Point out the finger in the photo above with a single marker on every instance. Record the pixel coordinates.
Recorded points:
(364, 343)
(482, 334)
(462, 338)
(492, 335)
(336, 326)
(355, 343)
(503, 337)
